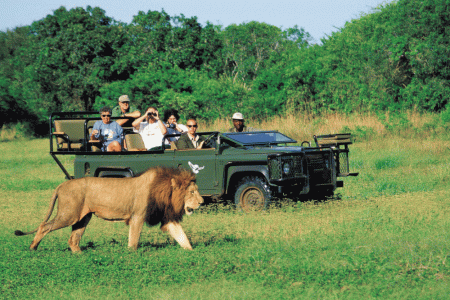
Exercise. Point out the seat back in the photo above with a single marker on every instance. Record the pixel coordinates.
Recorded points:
(339, 144)
(333, 140)
(70, 134)
(134, 142)
(173, 145)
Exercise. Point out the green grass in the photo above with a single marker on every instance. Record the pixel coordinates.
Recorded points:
(384, 236)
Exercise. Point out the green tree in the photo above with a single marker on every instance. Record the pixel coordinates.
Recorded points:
(17, 51)
(145, 41)
(297, 37)
(77, 50)
(247, 47)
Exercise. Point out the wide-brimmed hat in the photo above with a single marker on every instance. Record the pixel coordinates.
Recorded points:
(124, 98)
(237, 116)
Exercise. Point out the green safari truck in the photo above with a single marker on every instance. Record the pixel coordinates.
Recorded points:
(252, 168)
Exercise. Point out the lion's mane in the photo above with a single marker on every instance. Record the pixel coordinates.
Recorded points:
(165, 202)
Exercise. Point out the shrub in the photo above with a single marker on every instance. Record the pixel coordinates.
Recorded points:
(19, 130)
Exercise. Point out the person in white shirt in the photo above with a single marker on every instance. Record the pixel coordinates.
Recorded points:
(151, 128)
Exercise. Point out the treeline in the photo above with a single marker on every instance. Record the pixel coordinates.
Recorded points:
(394, 58)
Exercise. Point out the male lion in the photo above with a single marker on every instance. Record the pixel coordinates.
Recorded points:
(160, 195)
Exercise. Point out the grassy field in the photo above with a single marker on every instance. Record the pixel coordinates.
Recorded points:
(385, 235)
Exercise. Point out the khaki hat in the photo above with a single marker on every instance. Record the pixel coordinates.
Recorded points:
(237, 116)
(124, 98)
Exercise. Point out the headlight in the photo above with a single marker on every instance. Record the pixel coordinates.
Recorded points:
(286, 168)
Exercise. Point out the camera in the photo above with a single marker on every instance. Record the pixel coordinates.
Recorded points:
(173, 126)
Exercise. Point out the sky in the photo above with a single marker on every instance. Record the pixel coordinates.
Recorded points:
(318, 17)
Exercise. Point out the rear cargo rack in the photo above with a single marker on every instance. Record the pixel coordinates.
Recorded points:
(339, 144)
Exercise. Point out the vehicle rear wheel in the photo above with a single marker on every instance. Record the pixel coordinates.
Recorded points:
(252, 194)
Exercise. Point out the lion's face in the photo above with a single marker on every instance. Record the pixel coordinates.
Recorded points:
(192, 199)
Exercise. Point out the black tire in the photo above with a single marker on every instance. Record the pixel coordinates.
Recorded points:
(252, 194)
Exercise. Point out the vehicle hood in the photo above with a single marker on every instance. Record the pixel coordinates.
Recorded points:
(265, 150)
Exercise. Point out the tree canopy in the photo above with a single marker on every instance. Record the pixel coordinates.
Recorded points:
(80, 59)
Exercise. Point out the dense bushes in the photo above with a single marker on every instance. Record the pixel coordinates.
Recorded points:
(393, 58)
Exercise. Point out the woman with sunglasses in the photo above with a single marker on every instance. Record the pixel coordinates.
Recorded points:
(191, 140)
(151, 128)
(108, 132)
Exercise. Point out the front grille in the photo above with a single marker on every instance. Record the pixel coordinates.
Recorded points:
(320, 167)
(317, 161)
(274, 168)
(277, 162)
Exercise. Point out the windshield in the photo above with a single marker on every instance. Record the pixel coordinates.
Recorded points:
(259, 138)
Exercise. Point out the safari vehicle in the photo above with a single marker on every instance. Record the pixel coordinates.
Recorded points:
(252, 168)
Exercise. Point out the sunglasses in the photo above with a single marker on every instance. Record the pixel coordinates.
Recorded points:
(195, 126)
(104, 116)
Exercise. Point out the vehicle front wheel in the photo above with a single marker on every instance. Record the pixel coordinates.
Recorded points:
(252, 194)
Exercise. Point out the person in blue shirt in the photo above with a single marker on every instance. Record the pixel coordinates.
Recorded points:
(108, 132)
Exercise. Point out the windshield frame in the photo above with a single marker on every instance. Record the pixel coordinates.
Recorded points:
(233, 137)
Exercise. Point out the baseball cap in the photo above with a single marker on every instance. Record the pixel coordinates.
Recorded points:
(124, 98)
(237, 116)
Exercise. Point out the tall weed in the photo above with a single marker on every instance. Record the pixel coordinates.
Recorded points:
(364, 127)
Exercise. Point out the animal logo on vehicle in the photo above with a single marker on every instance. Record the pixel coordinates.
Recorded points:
(195, 168)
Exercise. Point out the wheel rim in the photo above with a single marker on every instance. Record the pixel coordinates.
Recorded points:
(252, 199)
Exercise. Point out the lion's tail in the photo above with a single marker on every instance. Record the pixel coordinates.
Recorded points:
(49, 213)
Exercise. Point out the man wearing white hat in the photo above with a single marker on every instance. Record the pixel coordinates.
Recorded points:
(125, 110)
(238, 122)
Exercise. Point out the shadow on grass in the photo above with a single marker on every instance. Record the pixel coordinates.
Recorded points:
(156, 245)
(230, 240)
(213, 241)
(296, 202)
(226, 205)
(220, 241)
(113, 243)
(319, 197)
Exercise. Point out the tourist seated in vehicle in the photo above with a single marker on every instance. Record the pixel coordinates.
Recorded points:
(171, 117)
(238, 124)
(124, 109)
(108, 133)
(190, 139)
(151, 128)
